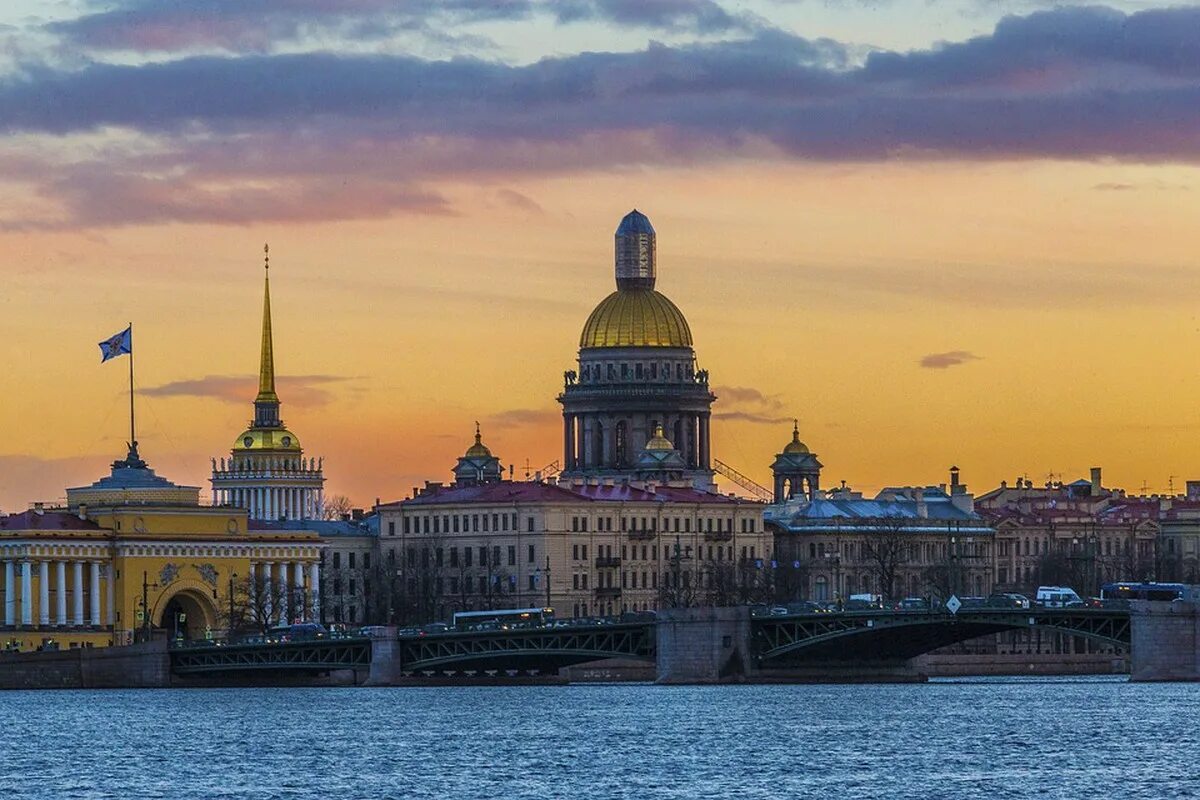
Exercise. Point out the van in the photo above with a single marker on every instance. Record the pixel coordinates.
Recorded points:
(1058, 597)
(868, 600)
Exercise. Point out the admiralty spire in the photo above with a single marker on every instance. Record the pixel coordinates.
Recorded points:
(267, 471)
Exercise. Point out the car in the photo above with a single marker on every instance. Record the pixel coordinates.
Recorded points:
(435, 627)
(1007, 600)
(806, 607)
(913, 604)
(972, 602)
(299, 632)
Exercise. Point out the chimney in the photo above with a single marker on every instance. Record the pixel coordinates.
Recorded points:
(83, 510)
(922, 509)
(1096, 481)
(1193, 490)
(39, 509)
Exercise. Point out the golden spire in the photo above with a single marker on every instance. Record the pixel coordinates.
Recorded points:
(266, 367)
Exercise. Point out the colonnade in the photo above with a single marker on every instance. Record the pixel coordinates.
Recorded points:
(274, 502)
(279, 594)
(608, 441)
(18, 593)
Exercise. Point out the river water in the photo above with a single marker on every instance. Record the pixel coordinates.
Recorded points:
(1011, 738)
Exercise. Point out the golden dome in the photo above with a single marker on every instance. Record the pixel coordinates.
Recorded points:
(659, 442)
(795, 446)
(636, 318)
(479, 449)
(267, 439)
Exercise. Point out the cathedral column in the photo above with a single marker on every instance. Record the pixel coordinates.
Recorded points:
(298, 574)
(26, 593)
(568, 456)
(268, 594)
(314, 579)
(580, 453)
(60, 574)
(78, 617)
(44, 593)
(10, 599)
(109, 612)
(705, 443)
(95, 587)
(284, 593)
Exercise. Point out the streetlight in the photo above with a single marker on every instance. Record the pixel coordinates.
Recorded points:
(146, 587)
(546, 572)
(835, 558)
(229, 632)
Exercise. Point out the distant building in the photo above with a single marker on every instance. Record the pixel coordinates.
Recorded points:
(1077, 534)
(267, 472)
(906, 541)
(584, 547)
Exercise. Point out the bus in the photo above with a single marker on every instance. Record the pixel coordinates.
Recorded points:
(1131, 590)
(503, 619)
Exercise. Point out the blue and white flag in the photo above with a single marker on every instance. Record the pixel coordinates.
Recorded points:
(117, 345)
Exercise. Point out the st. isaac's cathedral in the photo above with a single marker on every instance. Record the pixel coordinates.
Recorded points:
(637, 408)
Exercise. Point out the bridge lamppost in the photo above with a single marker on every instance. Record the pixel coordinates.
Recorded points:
(232, 578)
(544, 572)
(834, 559)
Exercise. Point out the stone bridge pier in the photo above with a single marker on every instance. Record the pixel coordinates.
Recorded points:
(704, 645)
(1165, 641)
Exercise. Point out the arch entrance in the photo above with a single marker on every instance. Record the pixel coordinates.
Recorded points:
(188, 614)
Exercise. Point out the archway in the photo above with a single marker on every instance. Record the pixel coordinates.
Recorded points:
(187, 614)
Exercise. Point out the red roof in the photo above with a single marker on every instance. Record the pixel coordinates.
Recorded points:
(47, 520)
(506, 492)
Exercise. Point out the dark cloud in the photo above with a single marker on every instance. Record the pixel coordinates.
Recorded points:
(951, 358)
(747, 404)
(700, 16)
(519, 201)
(257, 26)
(323, 135)
(747, 394)
(301, 390)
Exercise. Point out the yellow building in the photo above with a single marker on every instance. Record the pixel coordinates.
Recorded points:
(134, 552)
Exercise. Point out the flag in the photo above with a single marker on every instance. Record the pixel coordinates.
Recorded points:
(117, 345)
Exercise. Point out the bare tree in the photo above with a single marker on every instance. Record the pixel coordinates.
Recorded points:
(886, 548)
(337, 506)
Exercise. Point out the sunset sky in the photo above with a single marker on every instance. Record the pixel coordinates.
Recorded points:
(937, 233)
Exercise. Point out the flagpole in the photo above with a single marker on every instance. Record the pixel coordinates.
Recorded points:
(132, 439)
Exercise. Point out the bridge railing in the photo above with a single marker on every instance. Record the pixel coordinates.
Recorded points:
(261, 640)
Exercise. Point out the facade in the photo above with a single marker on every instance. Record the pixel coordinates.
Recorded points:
(906, 541)
(1179, 537)
(267, 472)
(583, 547)
(134, 552)
(636, 372)
(1078, 534)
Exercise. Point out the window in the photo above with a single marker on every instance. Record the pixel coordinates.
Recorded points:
(583, 553)
(583, 523)
(412, 556)
(584, 580)
(392, 528)
(337, 586)
(351, 585)
(407, 527)
(425, 524)
(475, 523)
(483, 557)
(456, 523)
(437, 528)
(437, 557)
(496, 556)
(532, 582)
(352, 561)
(467, 556)
(454, 556)
(514, 520)
(529, 524)
(337, 560)
(454, 585)
(575, 552)
(485, 523)
(366, 560)
(512, 555)
(575, 581)
(496, 522)
(531, 554)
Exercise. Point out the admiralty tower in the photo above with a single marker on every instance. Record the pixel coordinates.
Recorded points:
(637, 372)
(267, 472)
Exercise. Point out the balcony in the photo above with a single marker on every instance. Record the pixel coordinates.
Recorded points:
(718, 536)
(608, 591)
(642, 535)
(608, 561)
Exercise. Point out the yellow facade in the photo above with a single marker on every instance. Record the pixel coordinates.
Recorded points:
(101, 575)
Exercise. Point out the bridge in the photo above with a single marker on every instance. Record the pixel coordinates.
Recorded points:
(763, 643)
(873, 636)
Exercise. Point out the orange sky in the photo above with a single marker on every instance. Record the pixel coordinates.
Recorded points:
(820, 286)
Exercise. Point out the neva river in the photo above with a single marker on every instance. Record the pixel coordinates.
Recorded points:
(964, 739)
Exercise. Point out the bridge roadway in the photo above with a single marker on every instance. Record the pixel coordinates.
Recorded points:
(773, 642)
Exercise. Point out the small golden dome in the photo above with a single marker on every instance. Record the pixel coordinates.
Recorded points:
(659, 442)
(479, 449)
(795, 446)
(267, 439)
(636, 318)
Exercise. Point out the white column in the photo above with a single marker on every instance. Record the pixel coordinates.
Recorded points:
(109, 611)
(298, 576)
(10, 597)
(314, 580)
(44, 593)
(284, 593)
(60, 574)
(26, 593)
(96, 593)
(268, 591)
(78, 620)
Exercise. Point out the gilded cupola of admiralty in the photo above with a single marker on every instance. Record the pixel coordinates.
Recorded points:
(267, 472)
(637, 385)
